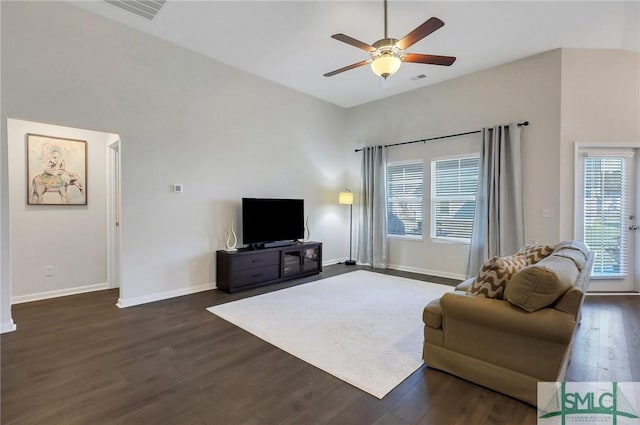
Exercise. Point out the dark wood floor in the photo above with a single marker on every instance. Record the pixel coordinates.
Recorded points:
(81, 360)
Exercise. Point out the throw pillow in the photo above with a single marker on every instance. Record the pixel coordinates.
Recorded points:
(495, 274)
(535, 251)
(540, 285)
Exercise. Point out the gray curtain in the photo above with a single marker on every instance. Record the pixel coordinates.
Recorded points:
(372, 237)
(498, 227)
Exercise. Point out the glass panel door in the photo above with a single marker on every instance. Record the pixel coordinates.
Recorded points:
(310, 258)
(291, 262)
(607, 216)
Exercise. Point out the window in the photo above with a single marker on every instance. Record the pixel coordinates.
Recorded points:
(405, 186)
(454, 184)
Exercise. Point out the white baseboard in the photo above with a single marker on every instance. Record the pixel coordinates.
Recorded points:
(159, 296)
(7, 327)
(59, 293)
(411, 270)
(427, 271)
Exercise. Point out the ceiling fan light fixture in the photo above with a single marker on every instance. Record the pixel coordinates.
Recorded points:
(387, 54)
(385, 65)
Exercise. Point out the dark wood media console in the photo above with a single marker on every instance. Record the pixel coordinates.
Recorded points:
(245, 269)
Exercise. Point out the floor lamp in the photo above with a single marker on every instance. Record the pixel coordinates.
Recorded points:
(346, 198)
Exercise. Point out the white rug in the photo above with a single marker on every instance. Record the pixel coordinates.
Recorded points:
(364, 328)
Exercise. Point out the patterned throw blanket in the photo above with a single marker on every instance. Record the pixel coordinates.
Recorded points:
(50, 180)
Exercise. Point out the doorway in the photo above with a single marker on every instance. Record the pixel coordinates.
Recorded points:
(59, 250)
(606, 214)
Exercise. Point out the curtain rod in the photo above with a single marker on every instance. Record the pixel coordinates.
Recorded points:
(520, 124)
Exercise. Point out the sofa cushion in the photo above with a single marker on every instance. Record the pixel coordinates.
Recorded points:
(465, 285)
(575, 255)
(536, 251)
(540, 285)
(579, 245)
(495, 274)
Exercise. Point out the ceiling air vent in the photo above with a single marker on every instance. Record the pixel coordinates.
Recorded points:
(148, 9)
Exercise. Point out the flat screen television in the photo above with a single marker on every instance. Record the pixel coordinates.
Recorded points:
(267, 220)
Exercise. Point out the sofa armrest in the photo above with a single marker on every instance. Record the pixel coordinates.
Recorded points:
(432, 314)
(547, 323)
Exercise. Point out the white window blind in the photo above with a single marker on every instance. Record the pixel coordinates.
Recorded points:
(405, 188)
(605, 213)
(454, 184)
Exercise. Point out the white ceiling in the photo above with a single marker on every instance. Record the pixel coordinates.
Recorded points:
(289, 41)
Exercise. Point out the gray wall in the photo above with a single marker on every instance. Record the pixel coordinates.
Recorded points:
(6, 322)
(182, 118)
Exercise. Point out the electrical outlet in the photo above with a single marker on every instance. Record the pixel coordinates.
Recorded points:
(194, 267)
(48, 271)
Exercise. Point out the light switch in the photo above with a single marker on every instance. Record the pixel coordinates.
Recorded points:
(177, 188)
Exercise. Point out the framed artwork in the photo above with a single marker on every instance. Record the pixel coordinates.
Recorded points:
(56, 171)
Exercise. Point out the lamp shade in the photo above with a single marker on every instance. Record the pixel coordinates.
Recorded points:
(345, 198)
(386, 65)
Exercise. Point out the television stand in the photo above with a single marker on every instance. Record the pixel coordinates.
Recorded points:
(246, 269)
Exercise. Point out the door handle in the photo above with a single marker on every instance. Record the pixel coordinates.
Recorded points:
(633, 227)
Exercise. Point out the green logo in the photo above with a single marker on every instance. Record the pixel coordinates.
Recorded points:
(586, 402)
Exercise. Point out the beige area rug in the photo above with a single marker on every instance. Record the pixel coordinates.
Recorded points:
(364, 328)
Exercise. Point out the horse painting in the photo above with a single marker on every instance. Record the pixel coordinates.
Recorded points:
(43, 183)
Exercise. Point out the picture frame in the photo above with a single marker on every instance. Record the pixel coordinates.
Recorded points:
(56, 170)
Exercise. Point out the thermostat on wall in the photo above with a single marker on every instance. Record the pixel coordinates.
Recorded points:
(178, 188)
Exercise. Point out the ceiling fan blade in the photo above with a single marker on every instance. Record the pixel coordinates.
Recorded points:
(420, 32)
(353, 42)
(346, 68)
(429, 59)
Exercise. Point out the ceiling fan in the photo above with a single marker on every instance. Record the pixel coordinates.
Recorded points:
(388, 54)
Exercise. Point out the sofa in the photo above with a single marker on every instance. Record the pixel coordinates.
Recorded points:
(514, 323)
